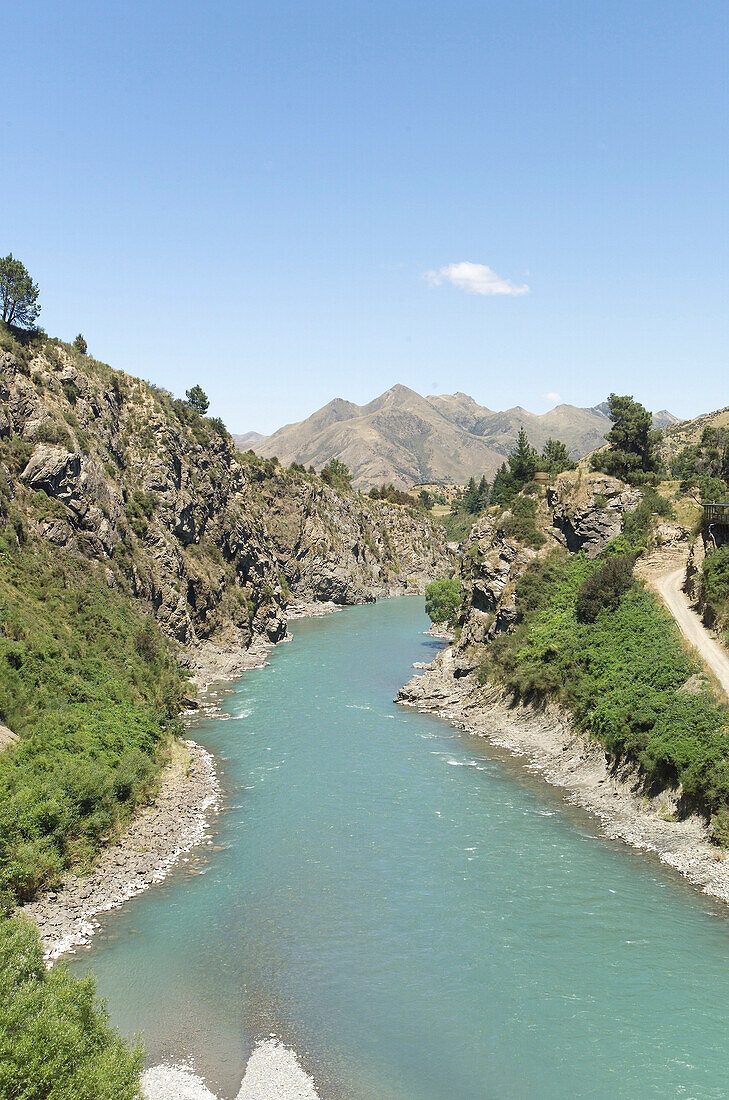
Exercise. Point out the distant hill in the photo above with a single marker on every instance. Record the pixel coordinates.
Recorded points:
(408, 439)
(682, 432)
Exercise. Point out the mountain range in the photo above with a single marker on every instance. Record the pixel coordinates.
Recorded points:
(404, 438)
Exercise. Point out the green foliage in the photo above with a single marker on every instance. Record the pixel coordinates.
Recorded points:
(52, 431)
(80, 344)
(87, 683)
(337, 474)
(18, 294)
(622, 674)
(523, 464)
(505, 486)
(556, 458)
(705, 465)
(715, 581)
(523, 460)
(197, 400)
(55, 1039)
(637, 525)
(520, 522)
(477, 496)
(46, 507)
(457, 524)
(604, 589)
(633, 444)
(15, 453)
(70, 390)
(443, 599)
(139, 510)
(384, 492)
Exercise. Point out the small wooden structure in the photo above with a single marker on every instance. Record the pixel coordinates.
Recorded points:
(541, 477)
(716, 513)
(715, 528)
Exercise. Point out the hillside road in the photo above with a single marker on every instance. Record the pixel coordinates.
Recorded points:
(713, 654)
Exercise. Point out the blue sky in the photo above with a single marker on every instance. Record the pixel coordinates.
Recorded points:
(252, 196)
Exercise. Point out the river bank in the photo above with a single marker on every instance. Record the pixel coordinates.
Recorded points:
(157, 837)
(566, 758)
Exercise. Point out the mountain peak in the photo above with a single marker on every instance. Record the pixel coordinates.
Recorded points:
(404, 438)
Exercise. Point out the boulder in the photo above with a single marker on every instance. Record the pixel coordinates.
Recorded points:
(53, 469)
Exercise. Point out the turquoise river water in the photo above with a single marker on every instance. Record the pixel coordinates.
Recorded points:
(410, 909)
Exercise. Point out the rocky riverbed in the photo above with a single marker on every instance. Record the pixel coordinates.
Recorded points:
(273, 1073)
(565, 757)
(158, 836)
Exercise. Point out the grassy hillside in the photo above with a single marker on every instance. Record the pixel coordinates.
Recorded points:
(88, 685)
(624, 673)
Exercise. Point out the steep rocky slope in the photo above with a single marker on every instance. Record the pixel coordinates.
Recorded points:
(100, 464)
(580, 511)
(408, 439)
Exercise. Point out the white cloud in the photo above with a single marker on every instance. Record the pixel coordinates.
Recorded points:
(475, 279)
(553, 398)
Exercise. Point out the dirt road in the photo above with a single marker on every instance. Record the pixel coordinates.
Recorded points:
(714, 655)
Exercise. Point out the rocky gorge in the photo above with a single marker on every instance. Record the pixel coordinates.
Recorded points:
(109, 476)
(213, 543)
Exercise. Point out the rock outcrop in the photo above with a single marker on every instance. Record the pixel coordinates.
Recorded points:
(588, 509)
(580, 511)
(212, 542)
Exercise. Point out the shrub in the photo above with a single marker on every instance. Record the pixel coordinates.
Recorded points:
(70, 389)
(55, 1038)
(50, 431)
(604, 588)
(520, 522)
(89, 685)
(336, 474)
(443, 599)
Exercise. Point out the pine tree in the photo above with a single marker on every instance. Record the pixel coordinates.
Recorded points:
(633, 451)
(556, 458)
(484, 490)
(505, 487)
(523, 459)
(470, 498)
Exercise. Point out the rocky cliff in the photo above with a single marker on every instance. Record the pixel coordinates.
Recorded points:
(214, 543)
(579, 511)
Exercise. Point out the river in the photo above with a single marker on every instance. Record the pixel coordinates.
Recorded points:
(410, 909)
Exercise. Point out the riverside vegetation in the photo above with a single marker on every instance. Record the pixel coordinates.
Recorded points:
(136, 542)
(552, 610)
(137, 547)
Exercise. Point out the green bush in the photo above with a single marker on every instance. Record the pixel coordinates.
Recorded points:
(55, 1039)
(520, 523)
(443, 599)
(715, 579)
(139, 509)
(51, 431)
(604, 588)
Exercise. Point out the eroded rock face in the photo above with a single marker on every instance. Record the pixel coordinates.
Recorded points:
(53, 469)
(581, 511)
(211, 544)
(490, 568)
(588, 509)
(350, 549)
